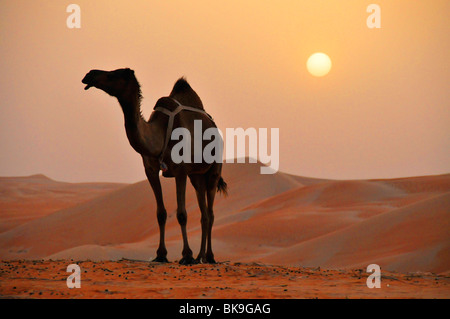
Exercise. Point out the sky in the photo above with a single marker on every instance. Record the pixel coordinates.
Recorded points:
(383, 111)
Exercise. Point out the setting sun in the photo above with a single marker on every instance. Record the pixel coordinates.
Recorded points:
(318, 64)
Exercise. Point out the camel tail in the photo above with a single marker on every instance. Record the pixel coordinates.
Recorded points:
(222, 187)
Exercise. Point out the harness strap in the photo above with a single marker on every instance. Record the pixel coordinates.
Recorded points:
(171, 115)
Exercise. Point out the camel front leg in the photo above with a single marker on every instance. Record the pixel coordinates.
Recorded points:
(182, 219)
(161, 214)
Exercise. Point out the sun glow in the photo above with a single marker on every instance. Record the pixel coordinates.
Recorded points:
(318, 64)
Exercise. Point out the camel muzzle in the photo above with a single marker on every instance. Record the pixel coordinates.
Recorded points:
(89, 79)
(86, 80)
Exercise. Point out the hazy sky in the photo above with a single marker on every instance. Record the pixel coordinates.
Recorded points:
(383, 110)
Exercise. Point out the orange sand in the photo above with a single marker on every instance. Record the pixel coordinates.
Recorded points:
(135, 279)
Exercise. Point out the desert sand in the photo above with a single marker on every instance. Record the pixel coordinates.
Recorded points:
(141, 279)
(278, 221)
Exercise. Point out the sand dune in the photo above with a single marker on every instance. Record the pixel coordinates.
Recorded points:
(121, 216)
(401, 224)
(125, 216)
(411, 238)
(26, 198)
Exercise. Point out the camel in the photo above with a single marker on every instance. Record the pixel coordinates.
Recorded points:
(149, 139)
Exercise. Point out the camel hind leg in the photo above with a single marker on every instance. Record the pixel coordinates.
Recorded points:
(199, 183)
(211, 190)
(210, 195)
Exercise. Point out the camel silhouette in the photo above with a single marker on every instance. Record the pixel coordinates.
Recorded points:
(151, 140)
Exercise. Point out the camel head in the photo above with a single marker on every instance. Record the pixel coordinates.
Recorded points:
(116, 83)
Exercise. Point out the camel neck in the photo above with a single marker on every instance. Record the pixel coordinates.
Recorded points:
(131, 110)
(134, 124)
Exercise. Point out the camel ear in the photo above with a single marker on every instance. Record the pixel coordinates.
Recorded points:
(128, 73)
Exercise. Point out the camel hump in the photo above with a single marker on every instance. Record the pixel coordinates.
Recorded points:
(181, 86)
(185, 94)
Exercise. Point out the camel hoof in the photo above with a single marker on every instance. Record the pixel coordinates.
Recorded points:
(200, 260)
(160, 260)
(210, 260)
(188, 261)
